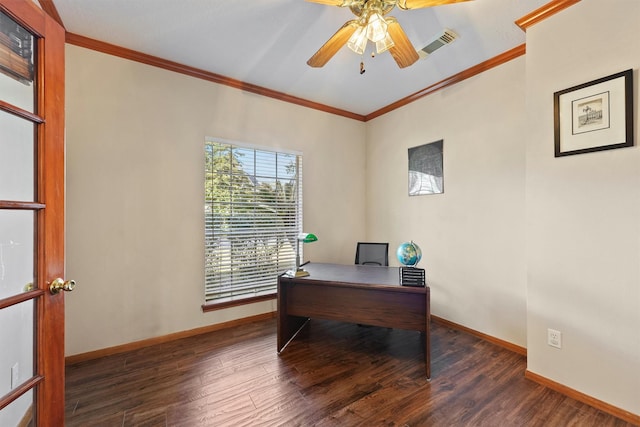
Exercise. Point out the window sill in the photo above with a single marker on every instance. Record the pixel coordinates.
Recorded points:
(213, 306)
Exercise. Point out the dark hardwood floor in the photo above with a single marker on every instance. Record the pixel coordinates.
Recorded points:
(331, 374)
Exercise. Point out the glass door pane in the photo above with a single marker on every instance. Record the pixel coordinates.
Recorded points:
(16, 360)
(16, 341)
(16, 252)
(17, 158)
(19, 412)
(16, 64)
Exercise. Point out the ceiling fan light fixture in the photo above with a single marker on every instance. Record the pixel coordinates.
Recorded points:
(376, 27)
(358, 41)
(385, 44)
(373, 22)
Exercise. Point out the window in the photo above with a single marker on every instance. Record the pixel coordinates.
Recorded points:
(253, 214)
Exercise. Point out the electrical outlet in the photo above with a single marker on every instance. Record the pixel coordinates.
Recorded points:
(15, 376)
(554, 338)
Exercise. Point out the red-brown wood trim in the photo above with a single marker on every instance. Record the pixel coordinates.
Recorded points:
(19, 391)
(456, 78)
(49, 395)
(69, 360)
(543, 13)
(50, 8)
(19, 298)
(244, 301)
(6, 204)
(12, 109)
(132, 55)
(91, 355)
(505, 344)
(581, 397)
(526, 21)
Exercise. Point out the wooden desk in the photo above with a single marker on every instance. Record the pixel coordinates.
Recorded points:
(369, 295)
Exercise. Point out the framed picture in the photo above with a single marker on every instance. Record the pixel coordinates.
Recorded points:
(425, 169)
(594, 116)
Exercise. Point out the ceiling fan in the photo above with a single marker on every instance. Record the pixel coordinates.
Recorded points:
(372, 24)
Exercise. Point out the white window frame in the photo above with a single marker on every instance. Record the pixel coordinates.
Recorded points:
(253, 215)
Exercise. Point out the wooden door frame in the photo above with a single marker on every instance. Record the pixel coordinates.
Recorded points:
(49, 309)
(51, 162)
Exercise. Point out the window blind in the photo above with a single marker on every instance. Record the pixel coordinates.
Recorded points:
(253, 214)
(16, 50)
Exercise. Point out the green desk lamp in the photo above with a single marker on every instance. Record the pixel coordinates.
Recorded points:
(304, 238)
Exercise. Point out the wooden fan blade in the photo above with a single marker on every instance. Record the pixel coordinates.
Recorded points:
(402, 50)
(418, 4)
(340, 3)
(333, 45)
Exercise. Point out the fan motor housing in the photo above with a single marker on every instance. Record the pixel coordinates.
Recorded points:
(367, 6)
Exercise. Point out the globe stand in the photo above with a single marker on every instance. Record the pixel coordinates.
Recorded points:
(412, 276)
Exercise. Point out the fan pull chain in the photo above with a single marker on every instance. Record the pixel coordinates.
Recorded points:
(362, 70)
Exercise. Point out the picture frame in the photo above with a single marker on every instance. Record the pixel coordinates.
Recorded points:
(426, 169)
(594, 116)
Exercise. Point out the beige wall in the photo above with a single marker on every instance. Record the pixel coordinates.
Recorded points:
(519, 242)
(583, 212)
(472, 235)
(135, 138)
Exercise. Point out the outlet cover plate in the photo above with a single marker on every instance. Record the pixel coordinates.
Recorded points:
(554, 338)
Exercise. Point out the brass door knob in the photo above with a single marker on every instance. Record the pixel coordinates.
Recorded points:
(61, 285)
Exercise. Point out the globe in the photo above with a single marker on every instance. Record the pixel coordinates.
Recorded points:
(409, 254)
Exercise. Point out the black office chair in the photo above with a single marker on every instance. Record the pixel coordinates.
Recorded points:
(368, 253)
(372, 253)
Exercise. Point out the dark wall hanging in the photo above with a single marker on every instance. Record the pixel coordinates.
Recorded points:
(425, 169)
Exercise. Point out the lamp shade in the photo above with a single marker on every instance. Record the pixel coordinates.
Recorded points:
(358, 41)
(376, 27)
(385, 44)
(307, 237)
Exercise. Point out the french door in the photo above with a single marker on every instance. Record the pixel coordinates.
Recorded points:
(31, 216)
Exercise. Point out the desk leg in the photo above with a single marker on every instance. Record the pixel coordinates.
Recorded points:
(288, 326)
(427, 335)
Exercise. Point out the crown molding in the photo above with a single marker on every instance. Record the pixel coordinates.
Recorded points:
(456, 78)
(543, 13)
(155, 61)
(525, 22)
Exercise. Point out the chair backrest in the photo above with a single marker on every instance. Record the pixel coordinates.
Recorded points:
(372, 253)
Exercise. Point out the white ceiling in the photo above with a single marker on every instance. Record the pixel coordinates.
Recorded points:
(267, 42)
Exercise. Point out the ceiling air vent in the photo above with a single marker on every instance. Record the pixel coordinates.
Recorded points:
(446, 37)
